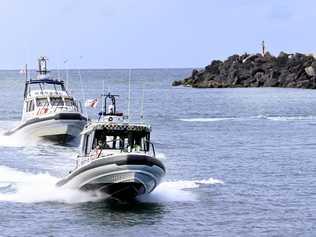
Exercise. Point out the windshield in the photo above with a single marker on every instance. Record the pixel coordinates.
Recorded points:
(69, 102)
(41, 102)
(121, 140)
(56, 101)
(45, 86)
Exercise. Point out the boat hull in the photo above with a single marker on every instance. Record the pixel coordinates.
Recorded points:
(121, 177)
(60, 128)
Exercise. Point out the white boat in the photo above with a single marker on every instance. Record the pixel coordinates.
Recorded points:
(116, 157)
(49, 111)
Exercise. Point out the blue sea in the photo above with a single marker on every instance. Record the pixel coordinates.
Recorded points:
(240, 162)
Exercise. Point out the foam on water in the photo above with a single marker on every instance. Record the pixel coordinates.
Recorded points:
(205, 119)
(272, 118)
(291, 118)
(13, 140)
(25, 187)
(6, 125)
(16, 141)
(178, 191)
(161, 156)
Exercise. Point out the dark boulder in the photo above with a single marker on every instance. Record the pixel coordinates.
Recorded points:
(256, 70)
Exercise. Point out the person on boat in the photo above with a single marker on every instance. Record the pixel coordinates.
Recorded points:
(137, 144)
(111, 109)
(98, 151)
(100, 146)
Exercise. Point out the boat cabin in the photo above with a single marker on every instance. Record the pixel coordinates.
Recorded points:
(116, 137)
(112, 134)
(45, 95)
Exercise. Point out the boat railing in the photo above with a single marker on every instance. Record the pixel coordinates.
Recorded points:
(121, 149)
(78, 105)
(59, 105)
(47, 108)
(134, 149)
(98, 152)
(152, 148)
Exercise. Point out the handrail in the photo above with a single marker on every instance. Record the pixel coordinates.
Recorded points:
(122, 148)
(65, 106)
(56, 106)
(87, 158)
(152, 146)
(120, 139)
(78, 105)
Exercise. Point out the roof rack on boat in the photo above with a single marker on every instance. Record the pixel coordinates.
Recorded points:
(42, 66)
(43, 78)
(111, 109)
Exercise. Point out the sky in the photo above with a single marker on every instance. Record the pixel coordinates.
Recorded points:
(150, 33)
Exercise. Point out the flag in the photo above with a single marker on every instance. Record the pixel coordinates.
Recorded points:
(91, 103)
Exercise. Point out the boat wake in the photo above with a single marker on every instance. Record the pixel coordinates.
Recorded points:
(291, 118)
(25, 187)
(177, 191)
(259, 117)
(12, 140)
(5, 126)
(161, 156)
(15, 140)
(206, 119)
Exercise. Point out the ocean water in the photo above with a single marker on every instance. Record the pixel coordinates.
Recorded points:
(240, 162)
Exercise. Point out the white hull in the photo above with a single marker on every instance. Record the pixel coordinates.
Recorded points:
(112, 176)
(60, 130)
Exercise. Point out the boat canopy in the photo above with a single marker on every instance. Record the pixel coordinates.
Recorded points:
(57, 85)
(113, 133)
(117, 127)
(43, 80)
(123, 137)
(46, 80)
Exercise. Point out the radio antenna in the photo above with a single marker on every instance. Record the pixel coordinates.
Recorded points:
(102, 103)
(26, 73)
(129, 93)
(81, 86)
(142, 103)
(67, 72)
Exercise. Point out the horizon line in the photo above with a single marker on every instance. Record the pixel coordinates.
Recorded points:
(123, 68)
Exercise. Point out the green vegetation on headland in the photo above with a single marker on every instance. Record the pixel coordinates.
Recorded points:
(256, 70)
